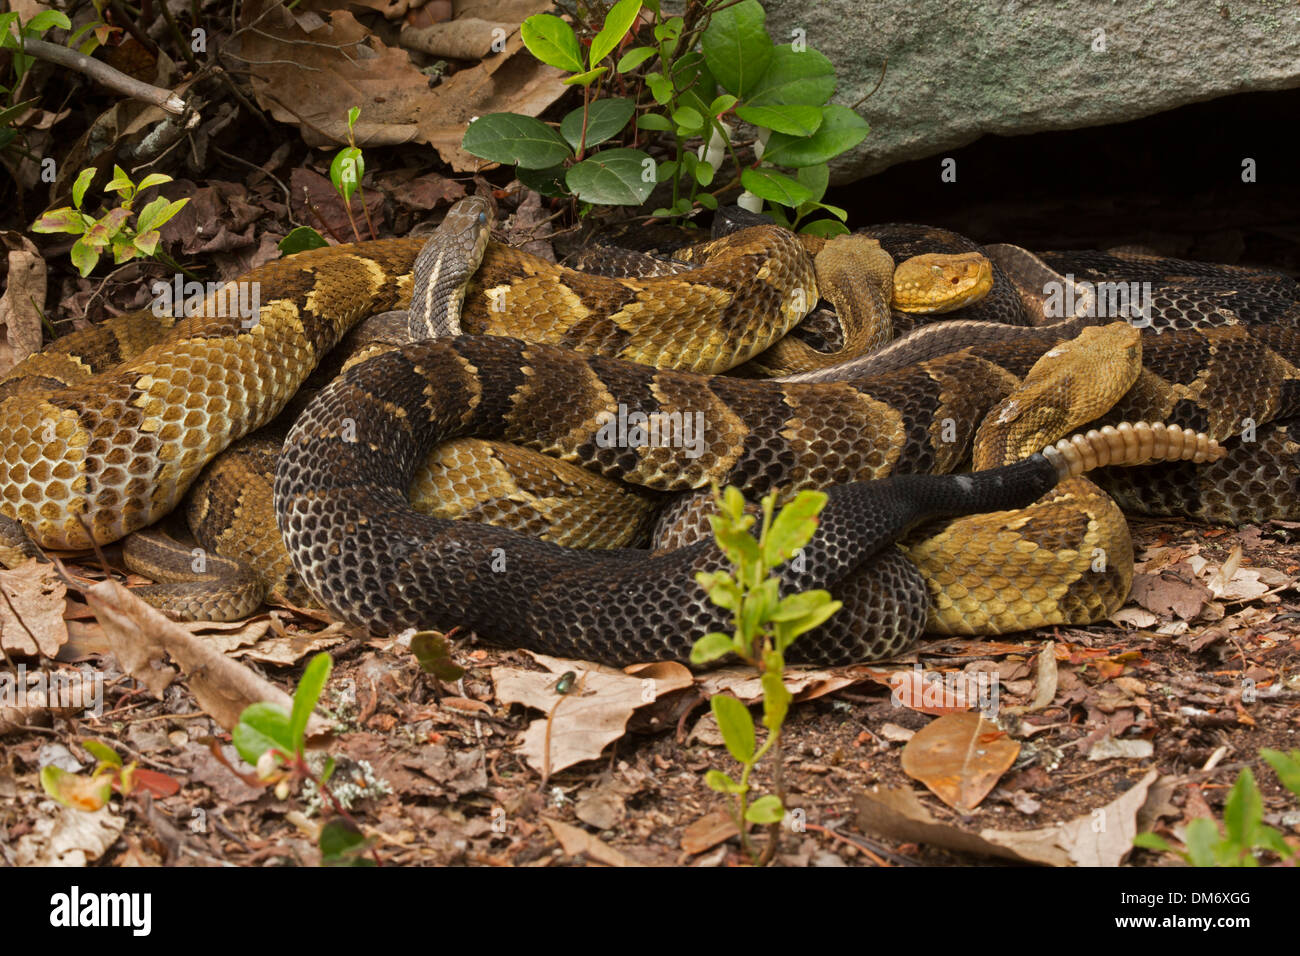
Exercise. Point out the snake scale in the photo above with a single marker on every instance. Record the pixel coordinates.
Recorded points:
(113, 449)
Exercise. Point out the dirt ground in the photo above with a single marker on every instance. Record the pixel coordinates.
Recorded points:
(1155, 726)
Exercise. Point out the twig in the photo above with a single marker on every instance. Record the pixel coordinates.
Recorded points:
(883, 66)
(104, 75)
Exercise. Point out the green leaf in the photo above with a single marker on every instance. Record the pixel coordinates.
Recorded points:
(125, 249)
(153, 179)
(548, 182)
(703, 173)
(653, 121)
(63, 219)
(841, 130)
(660, 88)
(71, 790)
(515, 139)
(788, 630)
(634, 58)
(618, 21)
(738, 545)
(433, 651)
(586, 79)
(308, 693)
(794, 526)
(158, 212)
(11, 113)
(553, 42)
(605, 118)
(81, 185)
(721, 782)
(791, 78)
(710, 647)
(300, 239)
(816, 178)
(776, 698)
(689, 122)
(615, 177)
(707, 200)
(825, 227)
(1150, 841)
(262, 727)
(736, 725)
(721, 588)
(146, 242)
(1244, 809)
(84, 256)
(102, 232)
(102, 752)
(120, 183)
(1202, 836)
(721, 104)
(343, 844)
(353, 114)
(774, 187)
(765, 810)
(736, 46)
(1287, 767)
(346, 171)
(45, 20)
(794, 119)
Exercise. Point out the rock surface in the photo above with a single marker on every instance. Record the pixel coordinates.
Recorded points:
(958, 69)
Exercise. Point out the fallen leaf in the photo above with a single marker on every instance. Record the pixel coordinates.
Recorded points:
(708, 831)
(1102, 837)
(575, 841)
(37, 595)
(142, 638)
(959, 757)
(24, 297)
(61, 836)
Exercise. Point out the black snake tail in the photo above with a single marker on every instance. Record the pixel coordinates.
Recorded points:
(362, 550)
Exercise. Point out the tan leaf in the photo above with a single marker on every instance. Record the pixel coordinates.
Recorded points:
(959, 757)
(142, 639)
(37, 594)
(22, 302)
(575, 841)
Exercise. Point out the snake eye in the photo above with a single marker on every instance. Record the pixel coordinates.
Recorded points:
(482, 217)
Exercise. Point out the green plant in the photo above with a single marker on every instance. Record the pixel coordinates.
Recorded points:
(109, 776)
(670, 88)
(345, 173)
(273, 741)
(1244, 831)
(113, 229)
(765, 625)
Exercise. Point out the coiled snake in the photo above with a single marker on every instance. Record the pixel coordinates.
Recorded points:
(118, 449)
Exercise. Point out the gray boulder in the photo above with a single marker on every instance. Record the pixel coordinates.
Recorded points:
(961, 68)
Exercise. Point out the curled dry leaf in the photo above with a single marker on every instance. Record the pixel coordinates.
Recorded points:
(1100, 837)
(959, 757)
(142, 638)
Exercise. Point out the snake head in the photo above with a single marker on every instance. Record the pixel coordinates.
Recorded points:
(940, 282)
(1070, 385)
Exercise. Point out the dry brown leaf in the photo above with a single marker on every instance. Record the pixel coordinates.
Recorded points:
(708, 831)
(1102, 837)
(62, 836)
(1170, 592)
(142, 638)
(43, 692)
(575, 841)
(37, 594)
(1045, 682)
(591, 715)
(310, 71)
(23, 299)
(959, 757)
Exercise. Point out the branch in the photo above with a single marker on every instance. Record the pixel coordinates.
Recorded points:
(104, 75)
